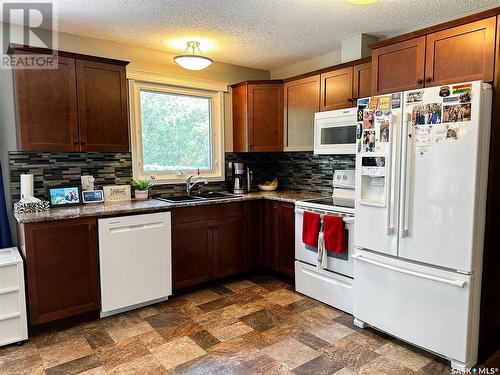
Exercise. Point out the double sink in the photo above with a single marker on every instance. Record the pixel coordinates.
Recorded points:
(196, 197)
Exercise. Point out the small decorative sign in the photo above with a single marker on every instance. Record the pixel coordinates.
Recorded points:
(117, 193)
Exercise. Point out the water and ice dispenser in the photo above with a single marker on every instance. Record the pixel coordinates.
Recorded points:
(373, 180)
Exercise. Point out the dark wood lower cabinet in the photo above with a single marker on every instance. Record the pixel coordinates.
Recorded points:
(62, 268)
(286, 238)
(268, 246)
(191, 254)
(212, 241)
(278, 240)
(230, 239)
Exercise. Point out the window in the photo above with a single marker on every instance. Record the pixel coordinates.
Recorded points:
(176, 132)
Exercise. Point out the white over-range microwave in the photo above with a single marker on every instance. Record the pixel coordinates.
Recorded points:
(335, 131)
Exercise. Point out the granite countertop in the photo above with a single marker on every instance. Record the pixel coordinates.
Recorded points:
(151, 205)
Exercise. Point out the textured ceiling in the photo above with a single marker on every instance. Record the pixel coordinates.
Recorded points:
(263, 34)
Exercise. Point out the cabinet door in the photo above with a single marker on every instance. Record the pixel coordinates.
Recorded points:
(191, 253)
(47, 105)
(102, 106)
(240, 124)
(286, 238)
(301, 100)
(62, 268)
(336, 89)
(265, 117)
(269, 227)
(229, 246)
(362, 86)
(398, 66)
(463, 53)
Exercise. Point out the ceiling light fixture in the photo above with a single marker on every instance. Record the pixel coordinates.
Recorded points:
(192, 60)
(361, 2)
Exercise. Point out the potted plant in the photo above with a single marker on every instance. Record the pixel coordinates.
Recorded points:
(141, 187)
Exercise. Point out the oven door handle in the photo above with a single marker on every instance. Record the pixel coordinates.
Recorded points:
(347, 219)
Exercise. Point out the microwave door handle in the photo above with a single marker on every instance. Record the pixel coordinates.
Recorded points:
(405, 180)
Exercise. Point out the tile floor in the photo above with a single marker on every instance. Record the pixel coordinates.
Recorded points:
(251, 326)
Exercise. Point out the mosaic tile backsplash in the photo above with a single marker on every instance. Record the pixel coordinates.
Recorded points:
(301, 171)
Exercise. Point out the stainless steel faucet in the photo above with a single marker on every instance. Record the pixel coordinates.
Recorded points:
(190, 185)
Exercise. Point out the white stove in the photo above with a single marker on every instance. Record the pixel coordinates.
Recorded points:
(331, 284)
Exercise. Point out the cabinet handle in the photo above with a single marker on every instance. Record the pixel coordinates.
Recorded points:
(428, 79)
(420, 81)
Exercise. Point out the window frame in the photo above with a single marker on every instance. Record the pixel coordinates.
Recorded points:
(216, 131)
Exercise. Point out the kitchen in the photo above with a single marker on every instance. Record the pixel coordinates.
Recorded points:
(258, 212)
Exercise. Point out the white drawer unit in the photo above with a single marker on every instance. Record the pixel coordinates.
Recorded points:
(13, 324)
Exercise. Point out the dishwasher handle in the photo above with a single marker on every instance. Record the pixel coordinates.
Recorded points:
(134, 227)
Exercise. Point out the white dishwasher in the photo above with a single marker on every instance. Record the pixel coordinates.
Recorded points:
(135, 261)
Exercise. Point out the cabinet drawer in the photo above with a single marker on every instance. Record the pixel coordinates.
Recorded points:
(8, 277)
(11, 330)
(328, 287)
(208, 212)
(9, 303)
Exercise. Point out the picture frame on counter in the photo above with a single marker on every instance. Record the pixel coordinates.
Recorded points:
(64, 195)
(92, 196)
(117, 193)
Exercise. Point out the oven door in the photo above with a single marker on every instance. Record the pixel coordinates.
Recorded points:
(339, 263)
(335, 132)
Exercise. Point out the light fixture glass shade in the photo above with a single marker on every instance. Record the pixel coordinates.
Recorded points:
(193, 62)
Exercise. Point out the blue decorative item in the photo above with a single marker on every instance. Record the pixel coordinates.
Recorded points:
(5, 239)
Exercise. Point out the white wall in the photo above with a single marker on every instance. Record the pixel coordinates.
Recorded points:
(305, 66)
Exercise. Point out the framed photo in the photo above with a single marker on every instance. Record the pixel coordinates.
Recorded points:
(92, 196)
(60, 196)
(117, 193)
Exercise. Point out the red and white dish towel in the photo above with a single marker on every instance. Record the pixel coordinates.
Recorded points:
(326, 233)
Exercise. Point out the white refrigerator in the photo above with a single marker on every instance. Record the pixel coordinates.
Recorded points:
(421, 178)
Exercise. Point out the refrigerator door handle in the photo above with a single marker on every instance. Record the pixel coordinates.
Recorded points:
(392, 177)
(457, 283)
(405, 180)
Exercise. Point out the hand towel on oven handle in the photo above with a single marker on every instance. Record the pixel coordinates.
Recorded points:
(310, 228)
(334, 232)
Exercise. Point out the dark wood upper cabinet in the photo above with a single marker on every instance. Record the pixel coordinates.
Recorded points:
(102, 106)
(301, 102)
(398, 66)
(47, 108)
(462, 53)
(80, 106)
(362, 85)
(258, 116)
(336, 89)
(62, 268)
